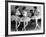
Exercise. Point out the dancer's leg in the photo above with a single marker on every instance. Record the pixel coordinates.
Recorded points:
(16, 26)
(37, 24)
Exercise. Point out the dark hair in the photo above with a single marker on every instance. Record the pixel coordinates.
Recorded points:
(16, 7)
(23, 8)
(31, 10)
(35, 7)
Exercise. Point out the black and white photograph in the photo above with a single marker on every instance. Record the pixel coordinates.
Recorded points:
(24, 18)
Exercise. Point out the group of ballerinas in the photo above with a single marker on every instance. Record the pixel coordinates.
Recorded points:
(21, 15)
